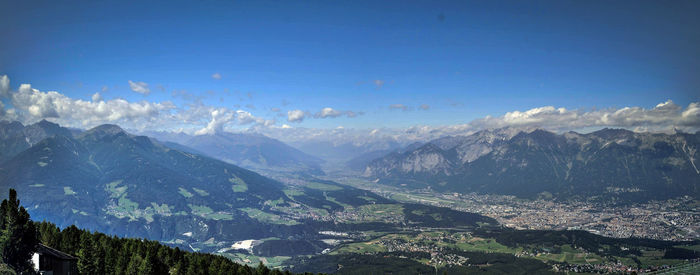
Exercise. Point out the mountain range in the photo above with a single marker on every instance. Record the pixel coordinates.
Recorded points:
(109, 180)
(15, 137)
(106, 178)
(532, 163)
(252, 151)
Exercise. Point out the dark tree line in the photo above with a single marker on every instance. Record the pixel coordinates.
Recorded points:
(98, 253)
(602, 245)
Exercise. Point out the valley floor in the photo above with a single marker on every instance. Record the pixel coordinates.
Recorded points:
(675, 219)
(416, 248)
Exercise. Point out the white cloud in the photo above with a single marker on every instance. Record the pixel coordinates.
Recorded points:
(399, 107)
(424, 106)
(219, 117)
(39, 104)
(4, 86)
(32, 105)
(379, 83)
(139, 87)
(296, 116)
(664, 116)
(328, 112)
(216, 76)
(245, 118)
(96, 97)
(224, 119)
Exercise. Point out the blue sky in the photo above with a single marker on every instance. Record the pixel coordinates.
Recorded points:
(465, 60)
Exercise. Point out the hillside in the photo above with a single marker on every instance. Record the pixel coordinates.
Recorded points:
(110, 180)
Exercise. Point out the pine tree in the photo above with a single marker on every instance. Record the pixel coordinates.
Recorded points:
(100, 260)
(49, 234)
(70, 240)
(18, 234)
(178, 268)
(191, 269)
(244, 269)
(148, 265)
(99, 248)
(262, 269)
(124, 255)
(164, 256)
(134, 264)
(213, 266)
(86, 255)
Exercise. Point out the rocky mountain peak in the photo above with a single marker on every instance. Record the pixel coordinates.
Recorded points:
(106, 130)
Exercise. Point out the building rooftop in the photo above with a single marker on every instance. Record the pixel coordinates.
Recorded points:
(45, 250)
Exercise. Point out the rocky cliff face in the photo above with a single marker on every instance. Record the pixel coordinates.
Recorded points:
(440, 156)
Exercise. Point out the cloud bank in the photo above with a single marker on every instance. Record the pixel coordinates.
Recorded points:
(664, 117)
(29, 105)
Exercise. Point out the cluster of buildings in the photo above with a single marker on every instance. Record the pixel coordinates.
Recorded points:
(428, 243)
(675, 219)
(690, 267)
(356, 214)
(616, 268)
